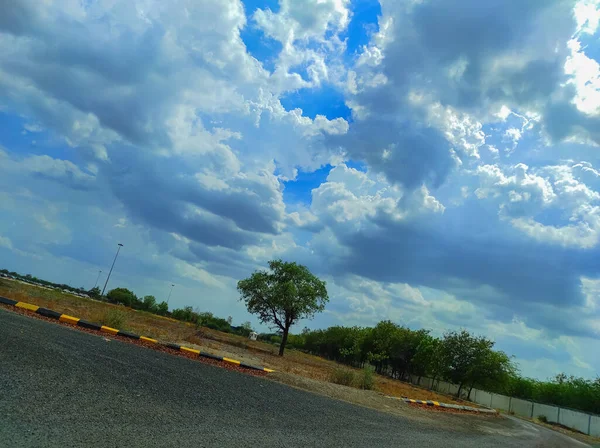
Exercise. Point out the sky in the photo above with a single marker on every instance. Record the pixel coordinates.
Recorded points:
(436, 162)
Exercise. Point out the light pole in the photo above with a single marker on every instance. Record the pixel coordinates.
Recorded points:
(170, 293)
(111, 268)
(96, 284)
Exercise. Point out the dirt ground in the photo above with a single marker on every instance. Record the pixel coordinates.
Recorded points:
(301, 364)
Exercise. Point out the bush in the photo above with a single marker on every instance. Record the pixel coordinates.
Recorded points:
(366, 379)
(114, 319)
(342, 376)
(542, 418)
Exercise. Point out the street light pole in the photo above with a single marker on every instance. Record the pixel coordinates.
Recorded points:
(111, 268)
(168, 298)
(96, 284)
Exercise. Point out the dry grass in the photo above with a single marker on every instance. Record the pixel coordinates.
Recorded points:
(222, 344)
(140, 322)
(302, 364)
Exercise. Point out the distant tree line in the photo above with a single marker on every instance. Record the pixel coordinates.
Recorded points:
(28, 278)
(562, 390)
(124, 296)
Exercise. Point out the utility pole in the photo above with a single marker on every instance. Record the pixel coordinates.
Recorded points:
(111, 268)
(170, 293)
(96, 284)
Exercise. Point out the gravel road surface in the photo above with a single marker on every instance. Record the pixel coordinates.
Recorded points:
(60, 387)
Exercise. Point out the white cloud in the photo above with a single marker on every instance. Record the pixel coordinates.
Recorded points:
(578, 235)
(461, 130)
(525, 194)
(5, 242)
(308, 32)
(513, 135)
(587, 14)
(355, 198)
(585, 76)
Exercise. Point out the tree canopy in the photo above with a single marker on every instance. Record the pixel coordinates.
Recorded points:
(283, 295)
(122, 296)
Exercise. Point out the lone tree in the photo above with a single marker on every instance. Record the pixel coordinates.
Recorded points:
(284, 295)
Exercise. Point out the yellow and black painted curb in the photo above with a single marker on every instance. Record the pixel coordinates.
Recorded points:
(93, 326)
(445, 405)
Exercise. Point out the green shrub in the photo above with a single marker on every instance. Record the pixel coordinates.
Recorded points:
(114, 319)
(542, 418)
(122, 296)
(367, 382)
(345, 377)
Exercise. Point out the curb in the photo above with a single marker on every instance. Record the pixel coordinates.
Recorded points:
(445, 405)
(93, 326)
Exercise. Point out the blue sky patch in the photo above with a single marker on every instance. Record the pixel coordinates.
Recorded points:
(591, 45)
(252, 5)
(363, 24)
(299, 190)
(264, 48)
(15, 138)
(323, 101)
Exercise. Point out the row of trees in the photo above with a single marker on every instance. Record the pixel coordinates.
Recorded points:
(562, 390)
(124, 296)
(458, 356)
(208, 320)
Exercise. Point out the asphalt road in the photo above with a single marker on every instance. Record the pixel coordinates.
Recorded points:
(60, 387)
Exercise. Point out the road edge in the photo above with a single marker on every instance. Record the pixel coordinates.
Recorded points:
(445, 405)
(76, 321)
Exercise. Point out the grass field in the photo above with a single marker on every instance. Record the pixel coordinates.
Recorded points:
(223, 344)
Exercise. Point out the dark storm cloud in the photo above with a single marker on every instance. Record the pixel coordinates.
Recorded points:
(434, 36)
(18, 17)
(163, 193)
(532, 273)
(99, 78)
(405, 152)
(470, 55)
(563, 119)
(505, 274)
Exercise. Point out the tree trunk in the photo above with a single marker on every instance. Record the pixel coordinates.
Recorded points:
(283, 340)
(459, 389)
(470, 389)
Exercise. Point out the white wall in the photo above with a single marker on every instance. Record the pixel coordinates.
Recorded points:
(500, 402)
(484, 398)
(453, 389)
(574, 419)
(521, 407)
(525, 408)
(426, 382)
(551, 412)
(442, 386)
(595, 426)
